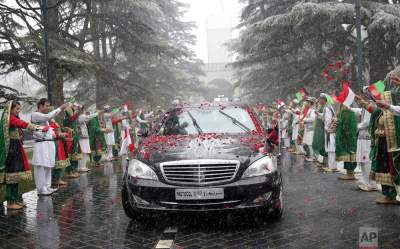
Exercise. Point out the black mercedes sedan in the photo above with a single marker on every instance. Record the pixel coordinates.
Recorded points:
(211, 157)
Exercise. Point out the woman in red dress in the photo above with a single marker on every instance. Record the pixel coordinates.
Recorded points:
(62, 160)
(14, 165)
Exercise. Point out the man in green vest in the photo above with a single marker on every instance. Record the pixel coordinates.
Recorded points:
(346, 141)
(71, 116)
(97, 140)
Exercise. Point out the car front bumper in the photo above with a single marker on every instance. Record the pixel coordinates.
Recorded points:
(252, 193)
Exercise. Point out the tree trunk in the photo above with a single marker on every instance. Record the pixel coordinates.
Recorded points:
(102, 28)
(94, 28)
(85, 24)
(55, 78)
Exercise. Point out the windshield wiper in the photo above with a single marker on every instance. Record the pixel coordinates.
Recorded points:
(194, 121)
(236, 122)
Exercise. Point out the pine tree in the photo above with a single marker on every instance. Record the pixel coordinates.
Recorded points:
(289, 47)
(102, 50)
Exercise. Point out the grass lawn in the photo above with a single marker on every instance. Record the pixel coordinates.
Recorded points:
(23, 187)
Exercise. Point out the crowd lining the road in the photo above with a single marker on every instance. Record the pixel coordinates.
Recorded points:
(364, 132)
(63, 151)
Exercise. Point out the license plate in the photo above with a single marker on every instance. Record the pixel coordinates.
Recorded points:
(199, 194)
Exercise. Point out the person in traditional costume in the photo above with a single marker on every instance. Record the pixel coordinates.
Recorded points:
(62, 160)
(346, 141)
(71, 115)
(309, 117)
(318, 144)
(364, 149)
(142, 119)
(126, 142)
(273, 134)
(110, 136)
(44, 148)
(117, 127)
(388, 119)
(329, 119)
(384, 127)
(14, 164)
(284, 129)
(303, 115)
(160, 115)
(98, 144)
(84, 142)
(290, 127)
(296, 129)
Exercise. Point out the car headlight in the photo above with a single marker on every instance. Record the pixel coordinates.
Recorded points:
(140, 170)
(263, 166)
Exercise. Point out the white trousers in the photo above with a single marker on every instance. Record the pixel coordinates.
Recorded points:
(365, 170)
(332, 160)
(300, 149)
(82, 163)
(312, 154)
(286, 142)
(109, 153)
(42, 178)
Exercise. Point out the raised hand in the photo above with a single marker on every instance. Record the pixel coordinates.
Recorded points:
(395, 79)
(383, 105)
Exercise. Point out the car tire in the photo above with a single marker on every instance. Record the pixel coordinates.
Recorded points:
(129, 210)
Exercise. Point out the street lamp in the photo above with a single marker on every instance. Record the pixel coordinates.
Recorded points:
(44, 8)
(360, 61)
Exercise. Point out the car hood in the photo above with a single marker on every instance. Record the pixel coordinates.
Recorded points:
(243, 147)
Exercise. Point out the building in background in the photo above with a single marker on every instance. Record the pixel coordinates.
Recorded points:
(219, 78)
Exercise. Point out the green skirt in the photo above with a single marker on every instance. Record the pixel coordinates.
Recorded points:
(346, 136)
(318, 144)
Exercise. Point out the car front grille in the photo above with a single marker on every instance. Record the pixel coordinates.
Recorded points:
(199, 172)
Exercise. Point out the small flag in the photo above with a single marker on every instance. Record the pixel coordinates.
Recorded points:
(377, 89)
(299, 97)
(301, 94)
(280, 103)
(330, 100)
(346, 97)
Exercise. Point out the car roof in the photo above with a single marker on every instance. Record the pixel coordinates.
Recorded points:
(210, 105)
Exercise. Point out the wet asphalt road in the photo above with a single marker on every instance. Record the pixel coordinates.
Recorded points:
(320, 212)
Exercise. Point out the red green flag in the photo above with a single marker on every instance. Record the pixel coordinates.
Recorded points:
(300, 95)
(347, 96)
(377, 89)
(330, 100)
(280, 103)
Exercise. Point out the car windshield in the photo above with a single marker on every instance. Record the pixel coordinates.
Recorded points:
(195, 121)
